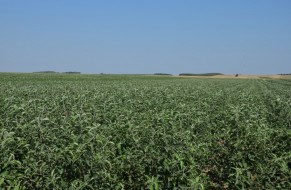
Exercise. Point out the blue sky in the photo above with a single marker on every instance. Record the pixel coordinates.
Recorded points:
(129, 36)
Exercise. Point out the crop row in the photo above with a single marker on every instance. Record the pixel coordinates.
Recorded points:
(138, 132)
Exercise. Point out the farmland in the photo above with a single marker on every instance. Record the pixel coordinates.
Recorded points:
(144, 132)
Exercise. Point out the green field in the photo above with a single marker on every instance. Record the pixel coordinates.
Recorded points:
(62, 131)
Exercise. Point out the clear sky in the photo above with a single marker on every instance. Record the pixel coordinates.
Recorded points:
(130, 36)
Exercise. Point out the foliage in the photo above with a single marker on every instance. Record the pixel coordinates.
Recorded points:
(163, 74)
(141, 132)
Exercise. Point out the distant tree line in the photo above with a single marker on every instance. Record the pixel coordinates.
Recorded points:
(72, 72)
(163, 74)
(285, 74)
(203, 74)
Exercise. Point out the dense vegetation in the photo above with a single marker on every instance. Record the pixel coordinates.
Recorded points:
(285, 74)
(163, 74)
(141, 132)
(202, 74)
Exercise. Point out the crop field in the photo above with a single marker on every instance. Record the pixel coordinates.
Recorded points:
(62, 131)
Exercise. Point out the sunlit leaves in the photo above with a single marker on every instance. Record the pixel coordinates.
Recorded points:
(129, 132)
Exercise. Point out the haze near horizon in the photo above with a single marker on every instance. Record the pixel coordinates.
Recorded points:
(134, 37)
